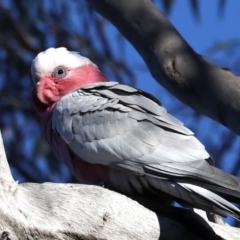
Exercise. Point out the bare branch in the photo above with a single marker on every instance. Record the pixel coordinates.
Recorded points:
(74, 211)
(208, 89)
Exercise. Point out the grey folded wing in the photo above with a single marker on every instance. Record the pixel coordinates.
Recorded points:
(110, 123)
(125, 128)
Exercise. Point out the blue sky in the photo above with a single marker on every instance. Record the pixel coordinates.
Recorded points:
(211, 27)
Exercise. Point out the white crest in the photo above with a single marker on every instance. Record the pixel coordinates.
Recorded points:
(45, 62)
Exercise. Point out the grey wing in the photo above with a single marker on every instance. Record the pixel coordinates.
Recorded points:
(127, 129)
(103, 126)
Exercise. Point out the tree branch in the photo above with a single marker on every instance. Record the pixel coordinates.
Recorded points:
(74, 211)
(208, 89)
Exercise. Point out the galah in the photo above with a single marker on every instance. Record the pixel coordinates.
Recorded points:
(123, 138)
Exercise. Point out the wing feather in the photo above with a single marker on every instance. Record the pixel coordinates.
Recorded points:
(152, 131)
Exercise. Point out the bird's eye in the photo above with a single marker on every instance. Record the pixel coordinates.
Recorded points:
(59, 72)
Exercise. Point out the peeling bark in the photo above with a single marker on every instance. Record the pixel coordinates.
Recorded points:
(203, 86)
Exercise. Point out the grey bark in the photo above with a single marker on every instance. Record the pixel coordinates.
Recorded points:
(203, 86)
(73, 211)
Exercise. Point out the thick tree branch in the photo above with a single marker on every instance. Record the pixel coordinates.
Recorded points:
(74, 211)
(208, 89)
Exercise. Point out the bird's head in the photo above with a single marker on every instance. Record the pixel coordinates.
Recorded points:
(57, 71)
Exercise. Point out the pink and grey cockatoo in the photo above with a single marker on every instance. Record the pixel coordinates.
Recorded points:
(122, 137)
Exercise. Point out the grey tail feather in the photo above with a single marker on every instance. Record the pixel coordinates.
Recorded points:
(191, 195)
(220, 205)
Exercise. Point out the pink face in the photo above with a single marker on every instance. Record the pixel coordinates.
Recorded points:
(51, 87)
